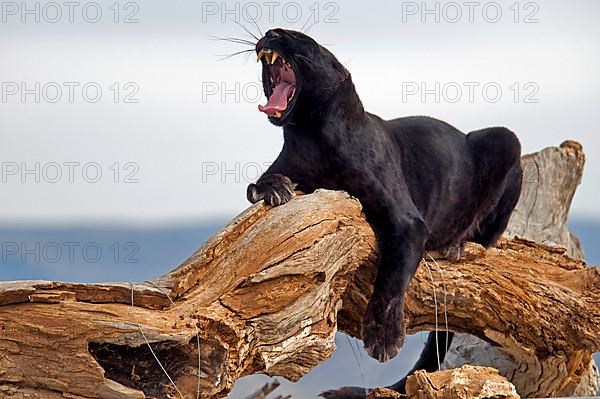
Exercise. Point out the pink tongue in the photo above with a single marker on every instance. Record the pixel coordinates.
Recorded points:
(279, 98)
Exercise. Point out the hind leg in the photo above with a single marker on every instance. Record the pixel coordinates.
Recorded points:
(492, 226)
(497, 156)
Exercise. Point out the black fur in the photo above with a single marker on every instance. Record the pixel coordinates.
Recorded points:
(423, 184)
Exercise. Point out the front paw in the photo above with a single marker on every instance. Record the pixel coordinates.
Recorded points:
(275, 189)
(383, 329)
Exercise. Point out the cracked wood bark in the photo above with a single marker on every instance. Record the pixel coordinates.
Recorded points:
(467, 382)
(267, 294)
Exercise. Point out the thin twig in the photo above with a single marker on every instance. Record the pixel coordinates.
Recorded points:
(150, 346)
(197, 335)
(445, 299)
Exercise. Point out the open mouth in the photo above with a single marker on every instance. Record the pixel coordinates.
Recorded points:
(282, 83)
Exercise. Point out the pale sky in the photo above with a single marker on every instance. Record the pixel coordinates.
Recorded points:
(187, 153)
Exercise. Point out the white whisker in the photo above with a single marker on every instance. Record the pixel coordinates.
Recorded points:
(445, 298)
(437, 344)
(360, 369)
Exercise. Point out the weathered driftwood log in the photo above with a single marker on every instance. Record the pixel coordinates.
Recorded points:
(467, 382)
(267, 294)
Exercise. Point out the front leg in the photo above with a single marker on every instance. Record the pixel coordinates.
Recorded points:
(275, 186)
(401, 235)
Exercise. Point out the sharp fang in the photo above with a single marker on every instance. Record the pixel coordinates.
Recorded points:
(277, 114)
(274, 58)
(260, 55)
